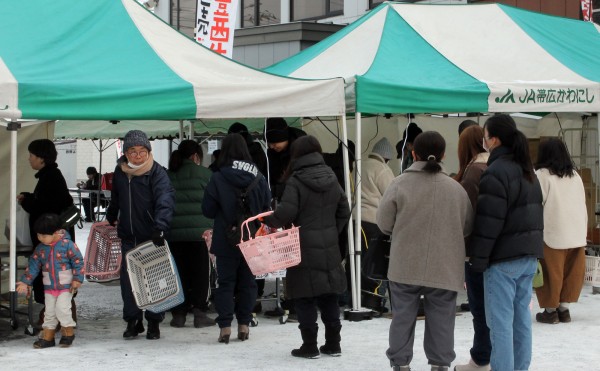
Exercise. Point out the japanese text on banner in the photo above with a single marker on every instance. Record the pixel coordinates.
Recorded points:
(215, 24)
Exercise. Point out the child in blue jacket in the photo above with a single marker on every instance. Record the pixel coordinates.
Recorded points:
(60, 262)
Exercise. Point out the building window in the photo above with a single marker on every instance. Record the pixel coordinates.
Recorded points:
(315, 9)
(260, 12)
(375, 3)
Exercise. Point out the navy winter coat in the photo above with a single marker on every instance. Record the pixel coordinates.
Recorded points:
(509, 222)
(314, 201)
(143, 204)
(220, 201)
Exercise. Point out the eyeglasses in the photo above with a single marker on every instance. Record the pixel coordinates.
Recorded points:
(141, 153)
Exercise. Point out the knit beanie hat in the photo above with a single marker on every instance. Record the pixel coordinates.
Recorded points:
(136, 138)
(383, 148)
(277, 130)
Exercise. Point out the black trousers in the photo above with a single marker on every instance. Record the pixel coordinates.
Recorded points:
(370, 238)
(193, 264)
(89, 204)
(235, 292)
(306, 310)
(482, 346)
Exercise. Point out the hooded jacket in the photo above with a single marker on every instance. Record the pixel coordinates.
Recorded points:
(279, 161)
(220, 201)
(376, 177)
(143, 204)
(59, 265)
(509, 222)
(189, 183)
(314, 201)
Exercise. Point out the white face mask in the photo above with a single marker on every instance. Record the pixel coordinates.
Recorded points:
(134, 166)
(485, 146)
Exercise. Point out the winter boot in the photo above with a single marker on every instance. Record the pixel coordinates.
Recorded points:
(68, 335)
(332, 341)
(201, 319)
(472, 366)
(47, 339)
(134, 327)
(178, 319)
(309, 344)
(439, 368)
(153, 330)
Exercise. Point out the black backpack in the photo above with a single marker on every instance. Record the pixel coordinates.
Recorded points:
(242, 212)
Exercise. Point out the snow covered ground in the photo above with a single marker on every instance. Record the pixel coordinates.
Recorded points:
(99, 344)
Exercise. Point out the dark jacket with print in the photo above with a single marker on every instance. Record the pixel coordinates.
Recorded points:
(220, 201)
(314, 201)
(142, 204)
(278, 163)
(51, 195)
(59, 265)
(509, 221)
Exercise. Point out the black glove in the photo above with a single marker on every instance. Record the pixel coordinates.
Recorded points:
(478, 264)
(112, 222)
(158, 238)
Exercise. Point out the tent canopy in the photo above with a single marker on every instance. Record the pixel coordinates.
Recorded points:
(114, 60)
(402, 58)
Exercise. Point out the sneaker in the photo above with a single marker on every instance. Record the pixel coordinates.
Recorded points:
(472, 366)
(547, 317)
(564, 316)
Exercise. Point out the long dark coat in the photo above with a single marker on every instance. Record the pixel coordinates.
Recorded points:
(314, 201)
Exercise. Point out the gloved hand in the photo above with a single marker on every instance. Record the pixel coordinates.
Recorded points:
(158, 238)
(112, 222)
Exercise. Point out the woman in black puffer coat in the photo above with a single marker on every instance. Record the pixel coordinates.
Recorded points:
(314, 201)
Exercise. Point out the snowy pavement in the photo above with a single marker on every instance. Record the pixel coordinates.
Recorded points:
(99, 344)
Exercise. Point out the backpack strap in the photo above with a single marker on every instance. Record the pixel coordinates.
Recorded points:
(251, 186)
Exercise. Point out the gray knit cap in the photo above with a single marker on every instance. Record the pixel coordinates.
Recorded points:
(136, 138)
(383, 148)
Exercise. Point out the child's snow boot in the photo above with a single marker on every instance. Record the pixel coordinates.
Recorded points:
(309, 344)
(332, 341)
(153, 330)
(47, 339)
(68, 335)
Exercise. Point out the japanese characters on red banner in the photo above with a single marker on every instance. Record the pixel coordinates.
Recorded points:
(215, 24)
(586, 10)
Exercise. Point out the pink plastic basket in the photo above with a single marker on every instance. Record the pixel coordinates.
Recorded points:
(275, 251)
(102, 260)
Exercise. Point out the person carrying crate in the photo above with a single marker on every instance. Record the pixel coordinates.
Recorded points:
(60, 262)
(142, 203)
(314, 201)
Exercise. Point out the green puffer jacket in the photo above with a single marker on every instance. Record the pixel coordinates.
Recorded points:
(188, 222)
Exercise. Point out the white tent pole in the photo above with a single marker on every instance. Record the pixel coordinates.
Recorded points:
(348, 189)
(191, 130)
(13, 127)
(180, 130)
(357, 203)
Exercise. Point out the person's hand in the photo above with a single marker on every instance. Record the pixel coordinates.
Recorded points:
(20, 198)
(158, 238)
(113, 223)
(74, 286)
(22, 288)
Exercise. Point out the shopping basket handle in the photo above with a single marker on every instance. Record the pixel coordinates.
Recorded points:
(245, 224)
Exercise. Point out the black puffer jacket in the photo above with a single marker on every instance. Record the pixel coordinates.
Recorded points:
(509, 222)
(143, 203)
(50, 195)
(314, 201)
(220, 201)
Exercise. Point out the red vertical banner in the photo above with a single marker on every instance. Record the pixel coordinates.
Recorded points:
(215, 24)
(586, 10)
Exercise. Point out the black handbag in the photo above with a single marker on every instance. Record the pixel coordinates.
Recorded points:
(376, 260)
(70, 216)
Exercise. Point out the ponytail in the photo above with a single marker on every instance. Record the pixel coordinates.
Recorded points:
(186, 149)
(520, 149)
(175, 161)
(432, 165)
(430, 146)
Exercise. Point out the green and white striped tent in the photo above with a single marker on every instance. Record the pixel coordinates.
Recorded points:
(402, 58)
(115, 60)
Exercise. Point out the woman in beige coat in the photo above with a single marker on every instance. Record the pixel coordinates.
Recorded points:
(428, 214)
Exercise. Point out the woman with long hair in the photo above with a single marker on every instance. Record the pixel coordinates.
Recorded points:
(190, 178)
(427, 253)
(507, 240)
(236, 288)
(314, 201)
(472, 158)
(565, 228)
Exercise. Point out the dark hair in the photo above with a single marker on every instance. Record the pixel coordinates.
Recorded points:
(465, 124)
(470, 144)
(91, 171)
(504, 128)
(44, 149)
(233, 148)
(186, 149)
(554, 156)
(430, 146)
(302, 146)
(47, 224)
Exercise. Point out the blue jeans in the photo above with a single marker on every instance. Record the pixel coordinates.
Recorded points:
(507, 297)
